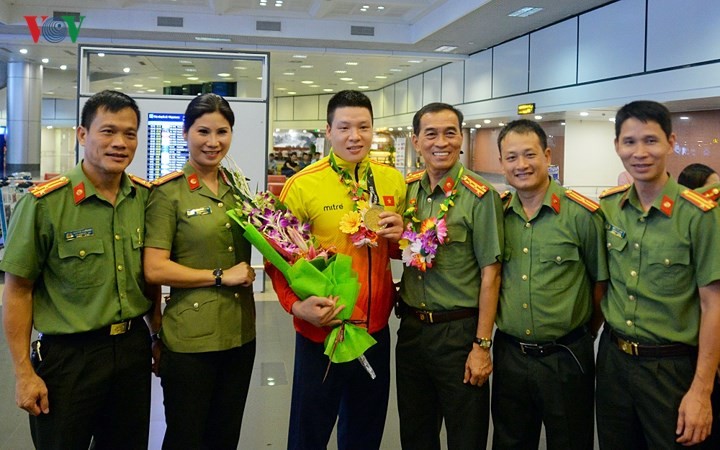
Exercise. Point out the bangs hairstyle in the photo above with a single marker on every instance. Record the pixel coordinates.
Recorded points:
(207, 104)
(645, 111)
(523, 126)
(111, 101)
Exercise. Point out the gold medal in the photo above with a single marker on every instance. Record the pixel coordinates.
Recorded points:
(372, 218)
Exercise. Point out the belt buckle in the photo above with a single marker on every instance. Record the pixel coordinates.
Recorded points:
(631, 348)
(119, 328)
(425, 316)
(524, 347)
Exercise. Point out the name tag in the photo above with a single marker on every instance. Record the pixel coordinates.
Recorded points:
(615, 231)
(198, 211)
(72, 235)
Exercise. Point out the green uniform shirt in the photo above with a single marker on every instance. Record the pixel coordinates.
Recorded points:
(657, 260)
(475, 235)
(550, 263)
(186, 218)
(83, 254)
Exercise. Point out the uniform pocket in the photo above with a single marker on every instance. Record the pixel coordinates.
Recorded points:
(669, 268)
(198, 318)
(83, 257)
(555, 260)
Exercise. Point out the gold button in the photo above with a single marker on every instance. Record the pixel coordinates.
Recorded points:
(633, 273)
(237, 295)
(667, 262)
(637, 246)
(230, 248)
(120, 267)
(558, 258)
(429, 200)
(422, 305)
(631, 298)
(419, 277)
(137, 230)
(525, 306)
(82, 253)
(629, 323)
(528, 332)
(196, 305)
(527, 225)
(220, 205)
(524, 277)
(642, 219)
(227, 225)
(525, 250)
(609, 245)
(117, 237)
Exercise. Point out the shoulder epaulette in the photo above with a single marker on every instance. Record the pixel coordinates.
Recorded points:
(165, 178)
(506, 196)
(474, 185)
(698, 200)
(713, 193)
(52, 185)
(415, 176)
(581, 200)
(615, 190)
(140, 181)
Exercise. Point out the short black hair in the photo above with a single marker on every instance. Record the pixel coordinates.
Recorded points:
(207, 104)
(347, 98)
(523, 126)
(112, 101)
(645, 111)
(433, 108)
(695, 175)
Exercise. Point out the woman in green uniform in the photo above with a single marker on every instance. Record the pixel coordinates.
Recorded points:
(207, 336)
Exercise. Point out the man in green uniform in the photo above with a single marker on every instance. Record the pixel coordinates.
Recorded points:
(448, 300)
(660, 349)
(553, 278)
(73, 272)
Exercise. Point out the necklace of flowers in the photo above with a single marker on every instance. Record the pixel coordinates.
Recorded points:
(353, 222)
(421, 238)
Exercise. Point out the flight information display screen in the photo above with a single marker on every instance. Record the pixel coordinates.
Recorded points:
(166, 149)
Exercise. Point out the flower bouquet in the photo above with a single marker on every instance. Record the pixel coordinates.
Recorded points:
(309, 269)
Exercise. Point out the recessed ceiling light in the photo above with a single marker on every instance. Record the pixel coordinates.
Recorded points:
(363, 9)
(408, 127)
(289, 73)
(612, 119)
(415, 61)
(49, 127)
(212, 39)
(185, 61)
(300, 56)
(538, 117)
(306, 66)
(380, 77)
(193, 78)
(63, 67)
(153, 78)
(23, 51)
(240, 68)
(463, 124)
(501, 124)
(381, 8)
(282, 89)
(487, 121)
(126, 69)
(345, 79)
(341, 71)
(351, 63)
(167, 81)
(327, 90)
(477, 125)
(137, 85)
(395, 70)
(684, 118)
(258, 78)
(524, 12)
(101, 55)
(562, 123)
(363, 87)
(224, 75)
(446, 48)
(117, 88)
(307, 82)
(151, 90)
(352, 82)
(45, 60)
(314, 85)
(292, 92)
(584, 113)
(190, 69)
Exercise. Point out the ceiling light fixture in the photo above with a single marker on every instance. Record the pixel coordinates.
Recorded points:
(415, 61)
(307, 82)
(345, 79)
(363, 87)
(101, 55)
(63, 67)
(212, 39)
(524, 12)
(446, 48)
(224, 75)
(584, 113)
(538, 117)
(341, 71)
(684, 118)
(487, 121)
(327, 90)
(306, 66)
(23, 51)
(380, 77)
(351, 63)
(45, 60)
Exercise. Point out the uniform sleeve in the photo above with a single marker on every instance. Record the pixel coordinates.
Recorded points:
(488, 235)
(28, 241)
(705, 235)
(592, 236)
(160, 220)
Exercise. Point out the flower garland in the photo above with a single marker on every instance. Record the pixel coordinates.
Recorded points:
(419, 244)
(353, 223)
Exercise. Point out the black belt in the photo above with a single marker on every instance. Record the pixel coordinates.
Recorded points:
(432, 317)
(546, 348)
(651, 351)
(114, 329)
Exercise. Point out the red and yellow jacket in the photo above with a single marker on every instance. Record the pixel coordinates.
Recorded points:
(316, 195)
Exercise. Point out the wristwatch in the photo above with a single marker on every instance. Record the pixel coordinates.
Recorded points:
(218, 276)
(483, 342)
